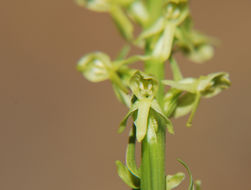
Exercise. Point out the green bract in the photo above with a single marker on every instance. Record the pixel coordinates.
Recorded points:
(173, 181)
(126, 176)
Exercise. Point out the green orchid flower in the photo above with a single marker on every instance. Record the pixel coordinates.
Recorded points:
(198, 47)
(97, 67)
(193, 89)
(165, 27)
(145, 109)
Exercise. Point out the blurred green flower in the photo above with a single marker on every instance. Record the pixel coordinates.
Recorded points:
(193, 89)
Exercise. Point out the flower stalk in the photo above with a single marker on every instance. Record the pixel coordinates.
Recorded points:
(167, 28)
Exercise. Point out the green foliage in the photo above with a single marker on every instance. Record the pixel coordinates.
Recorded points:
(127, 177)
(173, 181)
(166, 28)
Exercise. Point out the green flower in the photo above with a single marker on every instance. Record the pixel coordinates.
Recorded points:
(163, 30)
(195, 45)
(145, 110)
(97, 67)
(193, 89)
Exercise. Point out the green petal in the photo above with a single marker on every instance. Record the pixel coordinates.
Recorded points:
(187, 84)
(173, 181)
(184, 105)
(123, 123)
(156, 28)
(175, 70)
(131, 180)
(155, 106)
(170, 102)
(189, 173)
(142, 118)
(130, 153)
(213, 84)
(163, 47)
(122, 96)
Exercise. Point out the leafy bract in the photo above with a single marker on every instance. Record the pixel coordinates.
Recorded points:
(130, 153)
(172, 181)
(131, 180)
(191, 183)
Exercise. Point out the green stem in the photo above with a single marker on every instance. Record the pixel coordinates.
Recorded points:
(154, 8)
(157, 69)
(153, 152)
(153, 162)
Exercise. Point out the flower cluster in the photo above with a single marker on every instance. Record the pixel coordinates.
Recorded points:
(161, 37)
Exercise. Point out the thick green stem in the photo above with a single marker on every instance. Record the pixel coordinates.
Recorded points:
(153, 151)
(154, 8)
(153, 162)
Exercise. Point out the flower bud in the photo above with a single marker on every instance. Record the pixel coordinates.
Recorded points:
(95, 66)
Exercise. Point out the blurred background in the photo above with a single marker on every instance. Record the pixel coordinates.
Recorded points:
(59, 131)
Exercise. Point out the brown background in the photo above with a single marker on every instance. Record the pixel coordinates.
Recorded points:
(58, 131)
